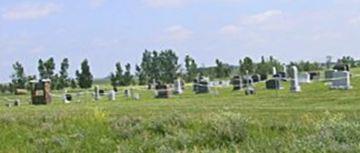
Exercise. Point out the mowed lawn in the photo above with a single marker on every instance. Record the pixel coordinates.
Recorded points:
(316, 120)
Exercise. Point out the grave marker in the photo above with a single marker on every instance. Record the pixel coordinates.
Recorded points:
(294, 83)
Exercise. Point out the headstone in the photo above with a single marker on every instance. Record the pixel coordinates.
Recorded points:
(314, 75)
(163, 91)
(237, 83)
(112, 95)
(101, 92)
(256, 78)
(294, 83)
(136, 96)
(41, 92)
(67, 98)
(263, 77)
(201, 85)
(274, 72)
(273, 84)
(97, 93)
(17, 102)
(329, 74)
(21, 92)
(285, 69)
(304, 77)
(178, 87)
(250, 91)
(341, 80)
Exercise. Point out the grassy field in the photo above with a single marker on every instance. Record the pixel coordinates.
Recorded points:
(315, 120)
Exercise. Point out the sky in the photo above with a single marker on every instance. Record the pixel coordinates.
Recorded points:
(110, 31)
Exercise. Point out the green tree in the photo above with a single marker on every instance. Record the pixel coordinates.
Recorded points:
(63, 78)
(18, 78)
(247, 65)
(191, 68)
(141, 77)
(84, 77)
(128, 77)
(117, 77)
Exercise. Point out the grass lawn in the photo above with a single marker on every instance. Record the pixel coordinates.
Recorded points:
(316, 120)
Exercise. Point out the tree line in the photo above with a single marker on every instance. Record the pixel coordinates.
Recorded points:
(156, 66)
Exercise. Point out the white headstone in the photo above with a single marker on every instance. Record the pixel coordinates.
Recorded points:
(341, 80)
(97, 93)
(274, 71)
(112, 95)
(178, 87)
(304, 77)
(294, 83)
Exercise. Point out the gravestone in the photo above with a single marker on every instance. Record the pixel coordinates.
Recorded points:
(21, 92)
(178, 87)
(112, 95)
(41, 92)
(97, 93)
(304, 77)
(237, 83)
(274, 72)
(201, 85)
(329, 74)
(314, 75)
(67, 98)
(256, 78)
(294, 83)
(101, 92)
(273, 84)
(17, 102)
(341, 80)
(163, 91)
(263, 77)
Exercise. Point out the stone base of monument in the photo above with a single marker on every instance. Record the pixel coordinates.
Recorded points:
(250, 91)
(237, 83)
(274, 84)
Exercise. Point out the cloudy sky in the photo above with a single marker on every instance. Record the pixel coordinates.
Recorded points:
(107, 31)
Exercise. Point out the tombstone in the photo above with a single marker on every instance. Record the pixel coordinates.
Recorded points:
(116, 89)
(329, 74)
(97, 93)
(178, 87)
(273, 84)
(274, 72)
(256, 78)
(285, 70)
(314, 75)
(163, 91)
(237, 83)
(250, 91)
(136, 96)
(127, 93)
(304, 78)
(41, 92)
(263, 77)
(201, 85)
(101, 92)
(112, 95)
(294, 83)
(21, 92)
(67, 98)
(17, 102)
(341, 80)
(248, 81)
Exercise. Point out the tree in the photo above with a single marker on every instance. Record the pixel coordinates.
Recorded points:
(64, 80)
(140, 75)
(46, 69)
(116, 78)
(18, 78)
(84, 77)
(127, 78)
(73, 84)
(191, 68)
(247, 65)
(222, 70)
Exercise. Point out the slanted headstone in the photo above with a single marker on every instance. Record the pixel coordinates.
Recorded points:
(237, 83)
(112, 95)
(341, 80)
(304, 77)
(250, 91)
(21, 92)
(273, 84)
(294, 83)
(342, 67)
(97, 93)
(127, 93)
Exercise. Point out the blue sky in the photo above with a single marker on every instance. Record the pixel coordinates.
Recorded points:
(107, 31)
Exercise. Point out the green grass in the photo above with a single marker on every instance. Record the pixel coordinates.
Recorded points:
(315, 120)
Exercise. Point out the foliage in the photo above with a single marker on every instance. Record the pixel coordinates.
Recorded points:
(191, 68)
(84, 77)
(18, 78)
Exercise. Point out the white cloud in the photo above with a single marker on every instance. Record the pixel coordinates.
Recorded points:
(96, 3)
(30, 12)
(355, 20)
(230, 30)
(262, 18)
(178, 33)
(165, 3)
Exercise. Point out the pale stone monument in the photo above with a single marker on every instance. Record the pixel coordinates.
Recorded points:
(304, 77)
(341, 80)
(294, 83)
(112, 95)
(97, 93)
